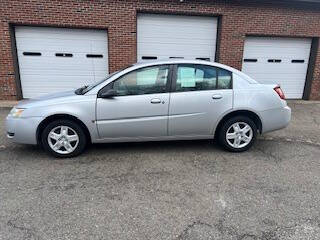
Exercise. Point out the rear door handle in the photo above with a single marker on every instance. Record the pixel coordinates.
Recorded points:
(216, 96)
(155, 101)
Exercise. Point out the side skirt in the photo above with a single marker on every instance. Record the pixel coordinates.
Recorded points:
(147, 139)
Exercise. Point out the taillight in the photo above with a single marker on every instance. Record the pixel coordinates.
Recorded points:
(280, 92)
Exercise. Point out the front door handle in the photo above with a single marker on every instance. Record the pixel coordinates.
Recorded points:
(216, 96)
(155, 101)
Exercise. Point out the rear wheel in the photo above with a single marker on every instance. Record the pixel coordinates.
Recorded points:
(238, 134)
(63, 138)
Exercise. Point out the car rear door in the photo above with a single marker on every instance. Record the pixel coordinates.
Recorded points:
(140, 107)
(200, 94)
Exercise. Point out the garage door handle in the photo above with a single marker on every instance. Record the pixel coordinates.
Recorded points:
(155, 101)
(217, 96)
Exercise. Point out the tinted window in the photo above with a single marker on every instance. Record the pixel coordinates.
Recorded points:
(143, 81)
(195, 78)
(224, 79)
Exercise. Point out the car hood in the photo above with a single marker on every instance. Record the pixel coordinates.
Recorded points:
(48, 99)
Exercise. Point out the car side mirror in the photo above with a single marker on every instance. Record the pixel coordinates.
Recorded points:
(109, 94)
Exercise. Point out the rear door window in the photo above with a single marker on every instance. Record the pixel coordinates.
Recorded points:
(193, 77)
(224, 79)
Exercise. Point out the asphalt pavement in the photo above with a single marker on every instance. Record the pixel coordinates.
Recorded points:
(167, 190)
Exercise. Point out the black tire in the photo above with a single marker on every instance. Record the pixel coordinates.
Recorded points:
(75, 127)
(223, 133)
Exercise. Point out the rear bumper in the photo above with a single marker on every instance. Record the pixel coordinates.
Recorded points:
(275, 119)
(23, 130)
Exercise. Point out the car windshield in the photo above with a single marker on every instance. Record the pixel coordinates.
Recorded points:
(87, 88)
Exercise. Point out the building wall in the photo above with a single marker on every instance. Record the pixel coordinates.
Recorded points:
(238, 19)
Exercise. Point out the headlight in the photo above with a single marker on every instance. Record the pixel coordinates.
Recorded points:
(16, 112)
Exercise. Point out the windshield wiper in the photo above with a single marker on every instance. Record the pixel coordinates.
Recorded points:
(79, 91)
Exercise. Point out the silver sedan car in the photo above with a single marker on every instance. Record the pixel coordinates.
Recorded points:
(153, 101)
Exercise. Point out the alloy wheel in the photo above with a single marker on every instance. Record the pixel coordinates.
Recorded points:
(63, 139)
(239, 135)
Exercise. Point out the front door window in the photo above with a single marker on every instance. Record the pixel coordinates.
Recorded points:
(147, 80)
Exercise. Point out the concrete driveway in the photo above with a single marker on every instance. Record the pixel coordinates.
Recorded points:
(167, 190)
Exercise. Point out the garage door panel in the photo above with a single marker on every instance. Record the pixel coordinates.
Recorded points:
(100, 67)
(278, 55)
(275, 69)
(52, 54)
(77, 60)
(99, 47)
(278, 60)
(56, 84)
(286, 77)
(81, 58)
(55, 72)
(99, 77)
(293, 96)
(178, 48)
(304, 45)
(62, 65)
(173, 20)
(53, 46)
(177, 41)
(191, 55)
(176, 56)
(180, 33)
(282, 52)
(61, 79)
(282, 55)
(173, 23)
(165, 36)
(53, 57)
(284, 62)
(283, 41)
(59, 33)
(280, 79)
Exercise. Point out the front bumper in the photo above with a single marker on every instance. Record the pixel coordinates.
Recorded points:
(23, 130)
(275, 119)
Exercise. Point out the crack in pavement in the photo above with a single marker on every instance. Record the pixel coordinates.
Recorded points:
(189, 227)
(291, 140)
(29, 233)
(201, 230)
(315, 118)
(270, 155)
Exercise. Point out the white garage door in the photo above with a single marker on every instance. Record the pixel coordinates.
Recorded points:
(59, 59)
(170, 36)
(282, 61)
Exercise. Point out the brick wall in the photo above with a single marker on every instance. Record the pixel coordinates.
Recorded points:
(239, 18)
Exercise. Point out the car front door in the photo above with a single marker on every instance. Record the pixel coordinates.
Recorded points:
(139, 107)
(200, 95)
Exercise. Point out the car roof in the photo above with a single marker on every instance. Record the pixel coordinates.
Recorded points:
(176, 61)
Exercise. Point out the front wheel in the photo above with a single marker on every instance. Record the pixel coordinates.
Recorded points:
(63, 138)
(238, 134)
